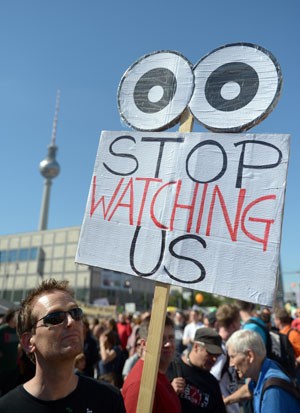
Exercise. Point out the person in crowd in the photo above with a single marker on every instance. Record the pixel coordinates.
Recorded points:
(247, 354)
(266, 315)
(210, 319)
(194, 323)
(9, 373)
(124, 330)
(111, 357)
(190, 375)
(228, 321)
(51, 332)
(130, 362)
(296, 320)
(283, 321)
(135, 326)
(90, 349)
(98, 329)
(250, 320)
(112, 325)
(165, 397)
(179, 324)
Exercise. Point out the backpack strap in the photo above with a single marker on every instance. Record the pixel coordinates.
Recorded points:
(292, 329)
(288, 386)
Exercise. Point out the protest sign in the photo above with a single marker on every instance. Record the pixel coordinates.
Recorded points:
(197, 210)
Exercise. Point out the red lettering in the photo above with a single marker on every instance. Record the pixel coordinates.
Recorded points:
(155, 221)
(102, 200)
(119, 204)
(191, 207)
(232, 230)
(267, 222)
(147, 183)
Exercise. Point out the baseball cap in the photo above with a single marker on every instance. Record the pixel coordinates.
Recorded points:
(210, 339)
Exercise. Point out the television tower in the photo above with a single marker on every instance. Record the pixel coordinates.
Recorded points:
(49, 169)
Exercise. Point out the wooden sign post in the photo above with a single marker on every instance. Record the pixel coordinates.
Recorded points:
(157, 322)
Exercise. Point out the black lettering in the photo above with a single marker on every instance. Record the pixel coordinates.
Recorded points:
(181, 257)
(132, 250)
(242, 156)
(122, 155)
(161, 149)
(223, 168)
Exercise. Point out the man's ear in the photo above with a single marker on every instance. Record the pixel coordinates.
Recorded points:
(251, 356)
(27, 341)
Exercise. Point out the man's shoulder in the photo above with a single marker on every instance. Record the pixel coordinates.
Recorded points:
(10, 399)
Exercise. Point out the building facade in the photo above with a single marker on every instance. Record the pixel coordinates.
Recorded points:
(28, 258)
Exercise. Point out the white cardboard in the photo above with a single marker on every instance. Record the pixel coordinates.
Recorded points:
(165, 191)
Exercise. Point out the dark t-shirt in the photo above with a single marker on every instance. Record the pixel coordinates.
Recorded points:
(201, 393)
(89, 396)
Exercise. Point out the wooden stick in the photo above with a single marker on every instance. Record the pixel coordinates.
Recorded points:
(186, 121)
(154, 342)
(157, 322)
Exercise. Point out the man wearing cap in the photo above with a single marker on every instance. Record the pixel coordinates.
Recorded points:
(190, 375)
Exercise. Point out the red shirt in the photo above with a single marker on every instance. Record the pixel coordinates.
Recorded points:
(124, 331)
(165, 398)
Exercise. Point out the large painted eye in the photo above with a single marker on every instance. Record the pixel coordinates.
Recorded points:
(155, 90)
(236, 87)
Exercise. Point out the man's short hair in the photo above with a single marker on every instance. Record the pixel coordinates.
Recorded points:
(227, 314)
(144, 326)
(26, 320)
(243, 340)
(282, 315)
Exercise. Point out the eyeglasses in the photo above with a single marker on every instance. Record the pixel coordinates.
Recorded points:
(58, 317)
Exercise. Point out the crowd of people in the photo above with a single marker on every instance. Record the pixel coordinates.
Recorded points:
(55, 358)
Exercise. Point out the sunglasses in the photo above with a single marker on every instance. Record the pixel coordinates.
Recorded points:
(58, 317)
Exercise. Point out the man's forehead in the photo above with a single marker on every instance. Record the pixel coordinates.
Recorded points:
(50, 298)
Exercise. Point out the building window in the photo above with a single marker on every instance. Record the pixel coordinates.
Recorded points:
(16, 255)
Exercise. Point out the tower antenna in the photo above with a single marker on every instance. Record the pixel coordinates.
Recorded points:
(55, 119)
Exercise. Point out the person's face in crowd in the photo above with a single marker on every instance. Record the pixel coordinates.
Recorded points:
(138, 348)
(202, 358)
(168, 347)
(241, 362)
(60, 341)
(122, 318)
(178, 319)
(194, 316)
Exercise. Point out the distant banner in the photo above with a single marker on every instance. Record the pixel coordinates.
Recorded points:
(196, 210)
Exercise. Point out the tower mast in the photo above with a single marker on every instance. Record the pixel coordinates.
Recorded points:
(49, 169)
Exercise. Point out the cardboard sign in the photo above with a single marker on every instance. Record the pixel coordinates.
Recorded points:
(197, 210)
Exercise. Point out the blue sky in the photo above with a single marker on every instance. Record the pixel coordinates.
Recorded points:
(83, 48)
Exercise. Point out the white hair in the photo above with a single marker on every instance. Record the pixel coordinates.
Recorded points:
(244, 340)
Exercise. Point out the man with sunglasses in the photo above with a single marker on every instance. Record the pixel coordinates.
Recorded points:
(190, 376)
(51, 333)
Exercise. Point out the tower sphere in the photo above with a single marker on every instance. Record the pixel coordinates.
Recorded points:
(49, 167)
